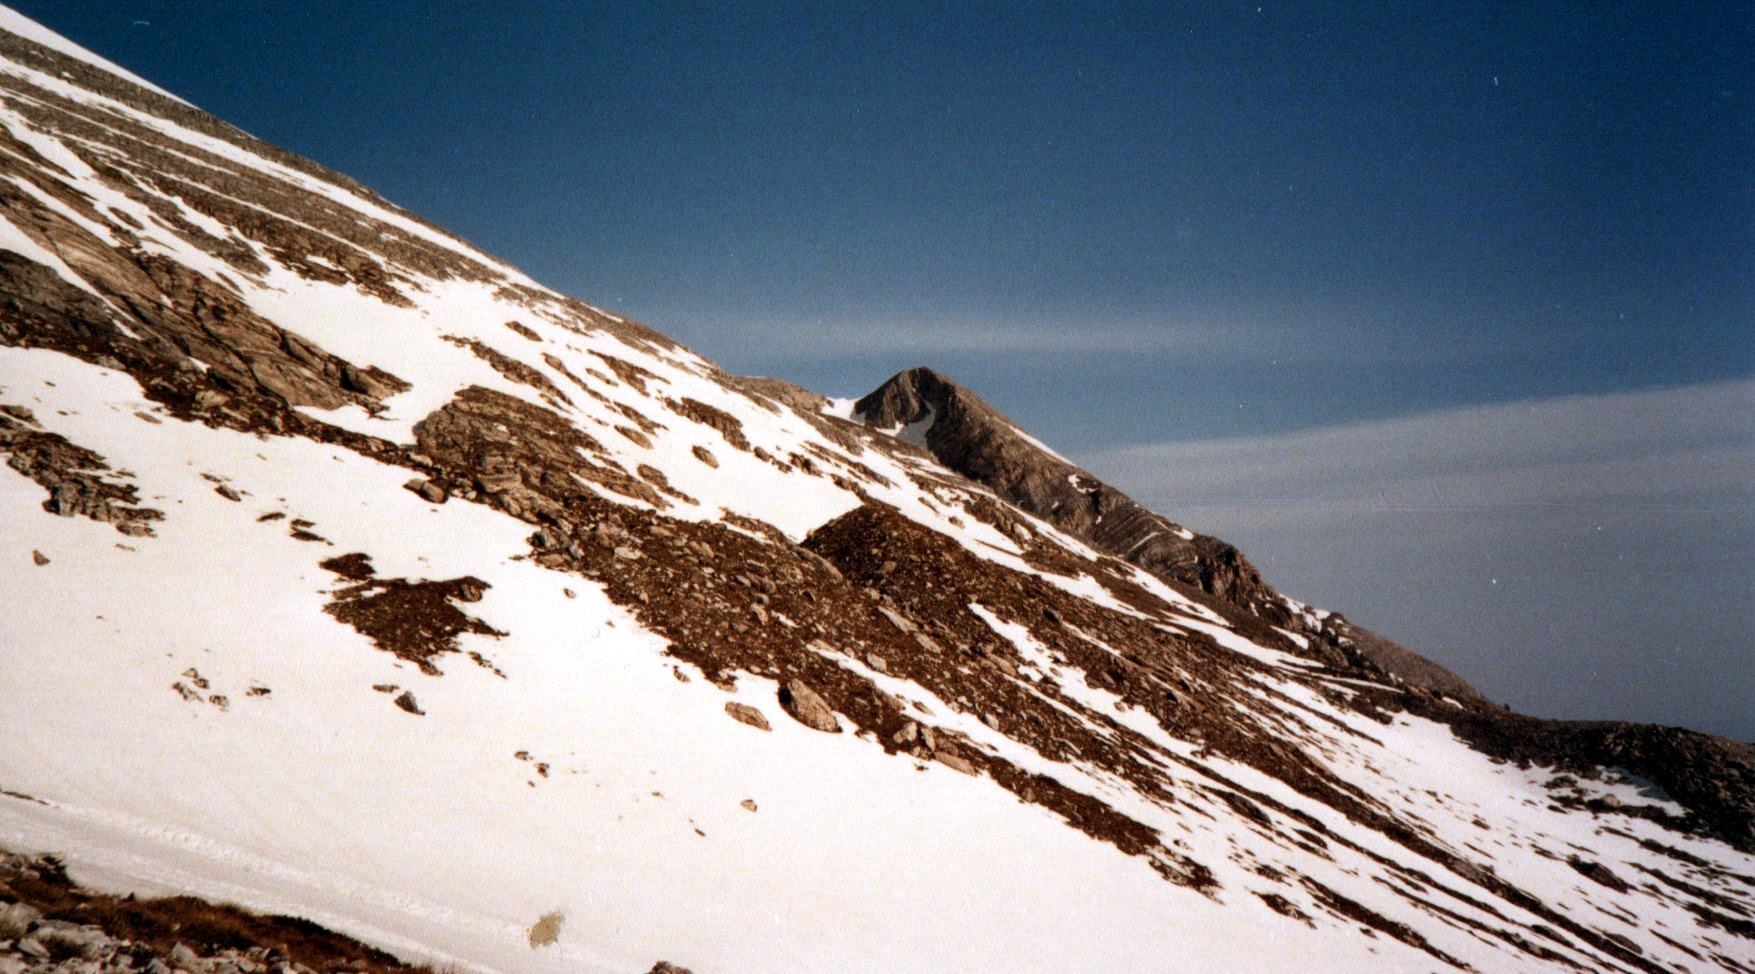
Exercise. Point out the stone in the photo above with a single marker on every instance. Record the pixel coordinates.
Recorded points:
(16, 918)
(897, 619)
(39, 558)
(627, 554)
(71, 939)
(749, 804)
(905, 737)
(956, 762)
(666, 967)
(30, 947)
(228, 492)
(1599, 873)
(877, 662)
(747, 714)
(427, 490)
(808, 707)
(407, 702)
(186, 959)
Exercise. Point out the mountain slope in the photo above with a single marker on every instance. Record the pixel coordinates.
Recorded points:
(972, 438)
(354, 575)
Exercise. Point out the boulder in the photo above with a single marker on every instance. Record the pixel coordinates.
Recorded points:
(427, 490)
(16, 918)
(747, 714)
(808, 707)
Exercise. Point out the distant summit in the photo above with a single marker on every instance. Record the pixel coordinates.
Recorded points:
(976, 440)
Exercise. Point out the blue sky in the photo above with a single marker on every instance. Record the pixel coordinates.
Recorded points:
(1146, 231)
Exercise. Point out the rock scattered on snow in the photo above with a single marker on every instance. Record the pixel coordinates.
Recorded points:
(808, 708)
(407, 702)
(547, 929)
(427, 490)
(38, 557)
(747, 714)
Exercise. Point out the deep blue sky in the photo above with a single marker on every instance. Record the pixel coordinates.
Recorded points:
(1123, 224)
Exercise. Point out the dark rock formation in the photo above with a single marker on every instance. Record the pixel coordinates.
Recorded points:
(981, 443)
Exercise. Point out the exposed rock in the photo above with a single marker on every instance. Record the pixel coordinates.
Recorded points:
(955, 762)
(78, 481)
(546, 930)
(64, 939)
(665, 967)
(1598, 873)
(808, 707)
(39, 558)
(415, 620)
(901, 622)
(427, 490)
(406, 701)
(186, 959)
(16, 919)
(981, 443)
(747, 714)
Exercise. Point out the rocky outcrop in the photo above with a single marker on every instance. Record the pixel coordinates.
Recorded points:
(981, 443)
(965, 433)
(78, 481)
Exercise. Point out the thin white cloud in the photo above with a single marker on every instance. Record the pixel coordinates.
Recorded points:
(1685, 447)
(1592, 556)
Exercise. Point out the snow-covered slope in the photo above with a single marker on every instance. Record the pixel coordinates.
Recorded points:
(351, 574)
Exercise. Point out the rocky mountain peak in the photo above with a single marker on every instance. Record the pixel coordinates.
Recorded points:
(965, 433)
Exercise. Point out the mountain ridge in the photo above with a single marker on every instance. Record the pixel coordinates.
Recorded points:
(357, 576)
(974, 439)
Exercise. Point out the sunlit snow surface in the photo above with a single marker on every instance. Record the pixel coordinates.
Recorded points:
(428, 836)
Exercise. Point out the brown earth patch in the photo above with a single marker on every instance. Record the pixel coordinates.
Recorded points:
(414, 620)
